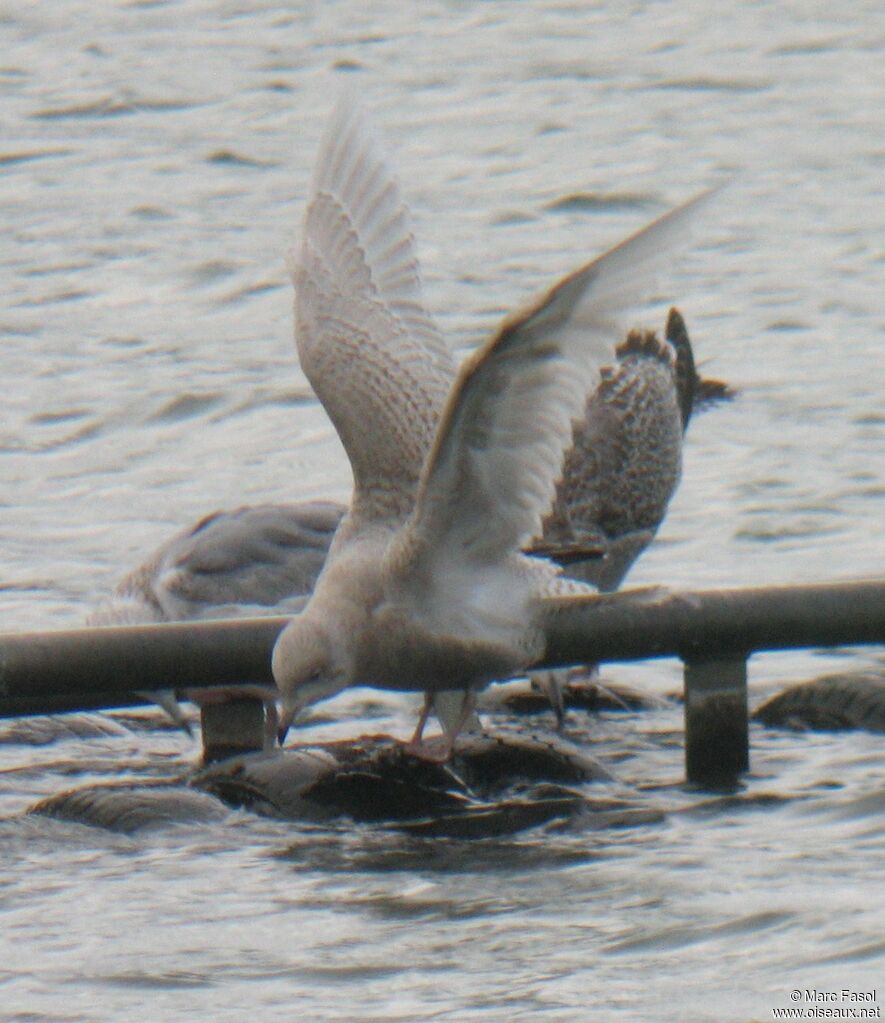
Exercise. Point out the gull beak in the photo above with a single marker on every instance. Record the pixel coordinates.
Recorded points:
(287, 714)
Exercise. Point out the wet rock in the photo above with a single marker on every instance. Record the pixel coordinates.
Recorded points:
(494, 785)
(494, 820)
(492, 763)
(485, 790)
(583, 692)
(368, 779)
(43, 730)
(130, 808)
(151, 719)
(315, 783)
(841, 701)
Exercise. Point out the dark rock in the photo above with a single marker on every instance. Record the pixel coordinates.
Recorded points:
(369, 779)
(493, 820)
(495, 762)
(842, 701)
(375, 779)
(581, 692)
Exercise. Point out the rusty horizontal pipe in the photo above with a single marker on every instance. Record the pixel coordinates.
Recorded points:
(45, 672)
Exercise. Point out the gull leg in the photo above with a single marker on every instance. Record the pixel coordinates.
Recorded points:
(166, 700)
(454, 714)
(422, 721)
(551, 682)
(467, 711)
(439, 749)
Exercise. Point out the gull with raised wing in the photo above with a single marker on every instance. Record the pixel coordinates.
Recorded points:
(425, 587)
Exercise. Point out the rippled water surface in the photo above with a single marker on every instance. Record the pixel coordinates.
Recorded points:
(154, 159)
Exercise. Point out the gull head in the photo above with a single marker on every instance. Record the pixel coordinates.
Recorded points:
(305, 669)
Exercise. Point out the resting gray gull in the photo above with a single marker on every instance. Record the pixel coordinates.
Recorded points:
(426, 587)
(259, 559)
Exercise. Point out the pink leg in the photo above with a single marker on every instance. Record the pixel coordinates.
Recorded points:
(439, 749)
(422, 720)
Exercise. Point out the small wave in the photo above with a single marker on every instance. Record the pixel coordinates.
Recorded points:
(150, 213)
(108, 107)
(857, 954)
(186, 406)
(9, 159)
(807, 48)
(85, 432)
(227, 157)
(60, 297)
(509, 217)
(710, 84)
(211, 271)
(63, 416)
(599, 201)
(167, 980)
(675, 938)
(250, 291)
(266, 399)
(27, 586)
(775, 533)
(786, 326)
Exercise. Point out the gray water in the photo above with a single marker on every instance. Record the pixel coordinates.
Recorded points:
(154, 159)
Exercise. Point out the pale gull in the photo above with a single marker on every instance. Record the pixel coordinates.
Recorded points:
(619, 475)
(425, 586)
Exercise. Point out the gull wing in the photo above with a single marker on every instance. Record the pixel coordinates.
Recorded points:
(498, 451)
(366, 342)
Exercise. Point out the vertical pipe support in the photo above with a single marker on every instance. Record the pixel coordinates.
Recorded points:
(232, 727)
(717, 740)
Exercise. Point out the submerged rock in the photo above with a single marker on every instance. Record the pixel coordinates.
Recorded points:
(369, 779)
(45, 729)
(493, 784)
(841, 701)
(582, 692)
(130, 808)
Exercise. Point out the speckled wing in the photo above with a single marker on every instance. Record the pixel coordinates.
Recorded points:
(624, 465)
(367, 344)
(499, 449)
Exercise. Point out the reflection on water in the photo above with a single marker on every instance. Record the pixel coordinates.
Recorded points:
(152, 166)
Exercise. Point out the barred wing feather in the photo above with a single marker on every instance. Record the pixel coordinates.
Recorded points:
(366, 342)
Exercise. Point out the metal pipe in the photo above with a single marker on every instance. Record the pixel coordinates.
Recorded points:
(701, 625)
(717, 732)
(80, 669)
(46, 671)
